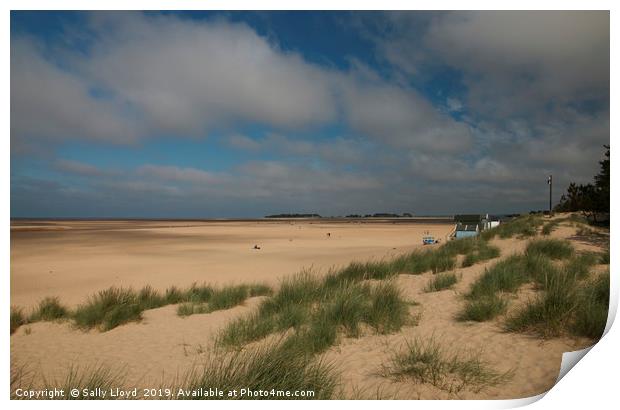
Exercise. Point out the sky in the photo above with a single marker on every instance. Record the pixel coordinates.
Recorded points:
(245, 114)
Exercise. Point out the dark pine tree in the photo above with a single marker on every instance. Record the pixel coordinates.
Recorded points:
(591, 199)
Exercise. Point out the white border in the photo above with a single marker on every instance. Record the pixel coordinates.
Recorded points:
(593, 381)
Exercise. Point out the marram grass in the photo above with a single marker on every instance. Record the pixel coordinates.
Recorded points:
(275, 366)
(17, 318)
(441, 281)
(566, 305)
(428, 362)
(552, 248)
(49, 309)
(483, 301)
(483, 308)
(320, 310)
(114, 306)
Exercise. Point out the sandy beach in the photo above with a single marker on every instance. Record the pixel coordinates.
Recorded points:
(80, 258)
(72, 259)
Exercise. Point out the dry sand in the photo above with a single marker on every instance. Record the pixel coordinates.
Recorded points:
(163, 346)
(72, 259)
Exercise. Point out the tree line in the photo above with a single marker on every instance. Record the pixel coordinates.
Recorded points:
(591, 199)
(376, 215)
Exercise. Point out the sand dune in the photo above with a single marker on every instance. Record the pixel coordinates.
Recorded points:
(163, 346)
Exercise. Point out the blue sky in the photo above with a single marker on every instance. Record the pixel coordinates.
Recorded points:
(242, 114)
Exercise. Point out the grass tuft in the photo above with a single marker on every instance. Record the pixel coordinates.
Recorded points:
(538, 267)
(428, 362)
(585, 231)
(191, 308)
(149, 298)
(88, 379)
(550, 227)
(49, 309)
(316, 337)
(523, 227)
(442, 260)
(246, 329)
(414, 263)
(552, 248)
(565, 305)
(227, 297)
(388, 309)
(483, 308)
(437, 260)
(205, 299)
(505, 276)
(357, 271)
(259, 289)
(604, 258)
(344, 307)
(593, 308)
(198, 293)
(300, 289)
(441, 281)
(292, 316)
(173, 296)
(579, 265)
(548, 314)
(318, 310)
(461, 246)
(17, 318)
(274, 367)
(108, 308)
(483, 252)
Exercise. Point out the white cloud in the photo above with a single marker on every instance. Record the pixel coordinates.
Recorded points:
(80, 168)
(49, 102)
(284, 179)
(179, 174)
(454, 104)
(165, 76)
(187, 77)
(517, 61)
(513, 63)
(290, 145)
(525, 75)
(335, 150)
(243, 142)
(404, 119)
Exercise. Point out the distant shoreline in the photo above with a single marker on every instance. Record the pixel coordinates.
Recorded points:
(400, 220)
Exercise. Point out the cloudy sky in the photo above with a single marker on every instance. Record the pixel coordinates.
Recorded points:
(214, 114)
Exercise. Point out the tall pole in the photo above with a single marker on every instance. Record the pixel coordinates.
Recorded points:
(550, 182)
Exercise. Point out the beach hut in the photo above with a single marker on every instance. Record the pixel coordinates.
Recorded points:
(491, 222)
(472, 224)
(465, 231)
(468, 225)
